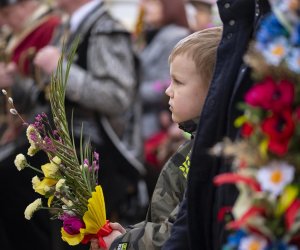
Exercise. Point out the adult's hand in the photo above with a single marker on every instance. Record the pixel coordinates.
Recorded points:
(47, 58)
(7, 72)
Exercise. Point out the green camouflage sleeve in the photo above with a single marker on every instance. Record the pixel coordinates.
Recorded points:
(155, 230)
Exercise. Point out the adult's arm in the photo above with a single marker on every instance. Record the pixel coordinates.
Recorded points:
(109, 84)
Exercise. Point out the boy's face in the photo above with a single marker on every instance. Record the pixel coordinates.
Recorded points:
(187, 91)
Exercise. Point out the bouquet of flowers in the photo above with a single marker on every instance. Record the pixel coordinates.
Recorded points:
(266, 159)
(67, 184)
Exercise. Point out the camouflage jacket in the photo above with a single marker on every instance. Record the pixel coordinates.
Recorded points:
(162, 212)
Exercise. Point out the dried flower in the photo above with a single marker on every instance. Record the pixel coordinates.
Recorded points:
(33, 207)
(32, 150)
(20, 162)
(35, 182)
(59, 185)
(67, 189)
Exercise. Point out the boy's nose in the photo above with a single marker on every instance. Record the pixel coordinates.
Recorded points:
(168, 91)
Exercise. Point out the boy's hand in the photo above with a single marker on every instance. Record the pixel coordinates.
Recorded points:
(117, 231)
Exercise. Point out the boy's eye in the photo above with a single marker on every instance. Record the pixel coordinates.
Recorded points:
(177, 82)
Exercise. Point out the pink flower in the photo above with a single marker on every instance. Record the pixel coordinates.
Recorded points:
(270, 95)
(72, 224)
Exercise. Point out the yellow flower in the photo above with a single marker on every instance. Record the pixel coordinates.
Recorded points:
(50, 199)
(32, 207)
(263, 148)
(20, 162)
(240, 121)
(72, 240)
(43, 186)
(50, 169)
(289, 194)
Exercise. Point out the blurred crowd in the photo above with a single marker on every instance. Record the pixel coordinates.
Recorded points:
(116, 89)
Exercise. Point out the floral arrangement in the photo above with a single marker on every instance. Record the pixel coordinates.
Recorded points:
(67, 184)
(266, 158)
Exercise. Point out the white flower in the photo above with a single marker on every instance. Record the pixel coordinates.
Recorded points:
(32, 207)
(20, 162)
(252, 242)
(217, 149)
(60, 184)
(276, 51)
(275, 177)
(293, 60)
(4, 92)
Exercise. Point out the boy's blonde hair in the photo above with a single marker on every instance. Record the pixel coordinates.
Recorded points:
(201, 46)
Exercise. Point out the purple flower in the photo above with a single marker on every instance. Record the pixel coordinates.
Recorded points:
(72, 224)
(48, 146)
(96, 156)
(39, 118)
(96, 161)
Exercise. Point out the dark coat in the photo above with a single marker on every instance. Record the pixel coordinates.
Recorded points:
(197, 225)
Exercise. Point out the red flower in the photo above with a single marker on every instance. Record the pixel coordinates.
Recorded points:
(291, 213)
(270, 95)
(279, 129)
(247, 129)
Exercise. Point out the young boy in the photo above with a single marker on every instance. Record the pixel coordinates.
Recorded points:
(192, 64)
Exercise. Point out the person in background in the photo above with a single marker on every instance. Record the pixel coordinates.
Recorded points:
(192, 64)
(202, 15)
(102, 90)
(197, 225)
(163, 24)
(31, 25)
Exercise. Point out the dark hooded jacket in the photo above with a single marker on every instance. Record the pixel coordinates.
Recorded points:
(197, 226)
